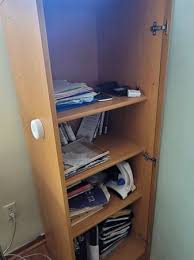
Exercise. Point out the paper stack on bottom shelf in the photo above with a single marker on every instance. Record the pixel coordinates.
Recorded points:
(102, 239)
(113, 230)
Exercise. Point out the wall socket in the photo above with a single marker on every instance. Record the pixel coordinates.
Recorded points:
(9, 210)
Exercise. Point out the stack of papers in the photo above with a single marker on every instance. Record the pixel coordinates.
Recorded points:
(82, 155)
(71, 95)
(113, 230)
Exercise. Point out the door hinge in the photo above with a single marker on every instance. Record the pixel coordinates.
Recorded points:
(148, 157)
(158, 28)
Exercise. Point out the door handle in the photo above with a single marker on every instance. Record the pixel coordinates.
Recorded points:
(37, 129)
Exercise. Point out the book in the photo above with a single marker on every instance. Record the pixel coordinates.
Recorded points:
(106, 121)
(98, 196)
(113, 233)
(69, 131)
(109, 248)
(84, 215)
(111, 240)
(122, 213)
(70, 95)
(81, 154)
(101, 123)
(63, 138)
(88, 127)
(113, 230)
(63, 88)
(64, 132)
(80, 212)
(78, 189)
(87, 166)
(106, 229)
(97, 127)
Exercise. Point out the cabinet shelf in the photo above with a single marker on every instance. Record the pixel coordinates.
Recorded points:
(120, 150)
(99, 107)
(115, 204)
(132, 248)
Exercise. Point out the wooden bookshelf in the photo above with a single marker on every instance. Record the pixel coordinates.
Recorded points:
(98, 107)
(91, 54)
(131, 248)
(115, 204)
(120, 150)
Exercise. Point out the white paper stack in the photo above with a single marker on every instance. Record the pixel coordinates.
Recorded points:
(114, 230)
(81, 155)
(70, 95)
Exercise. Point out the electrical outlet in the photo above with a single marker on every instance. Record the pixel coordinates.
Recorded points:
(10, 209)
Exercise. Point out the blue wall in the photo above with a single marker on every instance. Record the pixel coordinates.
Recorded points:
(173, 237)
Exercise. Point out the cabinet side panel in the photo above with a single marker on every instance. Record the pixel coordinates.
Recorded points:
(29, 60)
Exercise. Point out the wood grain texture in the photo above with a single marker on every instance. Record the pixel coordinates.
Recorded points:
(26, 41)
(115, 204)
(98, 107)
(143, 65)
(120, 150)
(132, 248)
(121, 49)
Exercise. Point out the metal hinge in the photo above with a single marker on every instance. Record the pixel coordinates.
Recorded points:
(148, 157)
(159, 28)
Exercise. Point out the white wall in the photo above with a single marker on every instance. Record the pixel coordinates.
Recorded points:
(173, 237)
(16, 183)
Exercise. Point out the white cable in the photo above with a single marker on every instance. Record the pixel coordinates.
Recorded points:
(46, 256)
(13, 234)
(27, 256)
(13, 219)
(18, 256)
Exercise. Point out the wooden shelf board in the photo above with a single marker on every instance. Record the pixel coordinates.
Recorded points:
(120, 150)
(98, 107)
(132, 248)
(115, 204)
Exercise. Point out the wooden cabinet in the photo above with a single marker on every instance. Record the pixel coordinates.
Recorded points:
(90, 41)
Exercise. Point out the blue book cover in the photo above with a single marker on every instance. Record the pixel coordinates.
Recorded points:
(63, 107)
(92, 198)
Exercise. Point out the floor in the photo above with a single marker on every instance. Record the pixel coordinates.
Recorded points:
(37, 248)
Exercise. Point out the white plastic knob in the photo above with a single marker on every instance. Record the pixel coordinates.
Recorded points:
(37, 129)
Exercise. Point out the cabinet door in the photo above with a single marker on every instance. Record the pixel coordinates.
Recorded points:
(145, 67)
(149, 73)
(24, 28)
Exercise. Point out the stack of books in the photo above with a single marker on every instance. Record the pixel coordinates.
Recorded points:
(72, 95)
(85, 200)
(66, 133)
(93, 126)
(81, 155)
(113, 230)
